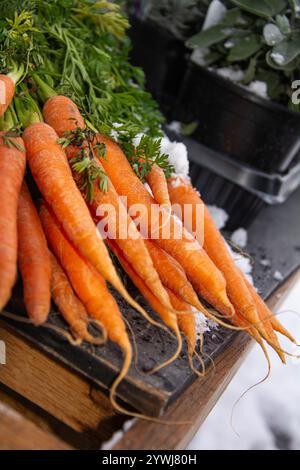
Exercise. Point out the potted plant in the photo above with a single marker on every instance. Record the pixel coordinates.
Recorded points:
(241, 83)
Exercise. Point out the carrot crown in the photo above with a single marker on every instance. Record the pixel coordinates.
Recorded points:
(45, 92)
(27, 109)
(17, 72)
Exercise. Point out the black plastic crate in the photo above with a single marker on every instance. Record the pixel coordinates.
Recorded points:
(234, 121)
(163, 58)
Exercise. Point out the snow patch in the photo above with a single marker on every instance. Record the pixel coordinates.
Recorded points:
(201, 324)
(235, 75)
(278, 276)
(215, 13)
(219, 216)
(174, 126)
(278, 58)
(177, 181)
(117, 436)
(178, 156)
(198, 56)
(240, 237)
(265, 262)
(259, 88)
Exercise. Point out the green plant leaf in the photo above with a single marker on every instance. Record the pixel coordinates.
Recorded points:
(285, 52)
(263, 8)
(272, 79)
(295, 4)
(283, 24)
(272, 34)
(209, 37)
(244, 48)
(249, 74)
(231, 17)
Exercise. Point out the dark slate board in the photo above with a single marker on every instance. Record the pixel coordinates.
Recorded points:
(274, 236)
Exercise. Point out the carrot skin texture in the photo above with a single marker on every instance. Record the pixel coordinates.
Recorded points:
(169, 318)
(34, 260)
(172, 275)
(63, 115)
(51, 171)
(186, 322)
(89, 286)
(12, 168)
(69, 305)
(205, 277)
(158, 185)
(217, 250)
(6, 84)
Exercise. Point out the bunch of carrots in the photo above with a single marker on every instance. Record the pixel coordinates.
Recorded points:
(61, 255)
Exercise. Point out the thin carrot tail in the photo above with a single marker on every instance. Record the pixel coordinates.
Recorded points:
(172, 358)
(199, 373)
(281, 329)
(252, 314)
(255, 385)
(123, 292)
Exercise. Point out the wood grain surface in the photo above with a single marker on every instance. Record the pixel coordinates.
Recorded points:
(16, 432)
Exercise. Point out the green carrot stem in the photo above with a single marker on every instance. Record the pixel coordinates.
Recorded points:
(16, 73)
(7, 122)
(27, 110)
(45, 91)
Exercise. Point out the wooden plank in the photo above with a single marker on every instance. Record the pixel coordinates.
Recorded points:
(196, 403)
(18, 433)
(55, 388)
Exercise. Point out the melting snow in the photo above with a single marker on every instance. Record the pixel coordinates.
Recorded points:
(175, 126)
(278, 276)
(219, 215)
(215, 13)
(265, 262)
(240, 237)
(259, 88)
(235, 75)
(178, 156)
(278, 58)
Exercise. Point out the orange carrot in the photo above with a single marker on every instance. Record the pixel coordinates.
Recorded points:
(12, 167)
(51, 171)
(63, 115)
(172, 275)
(34, 260)
(92, 291)
(217, 250)
(7, 91)
(202, 273)
(158, 184)
(186, 322)
(69, 304)
(266, 317)
(266, 313)
(87, 283)
(168, 316)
